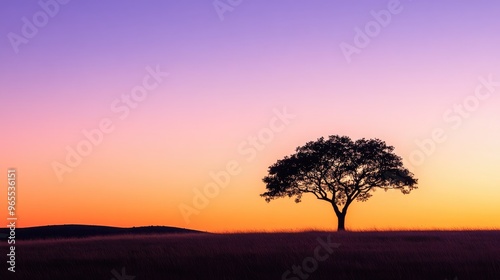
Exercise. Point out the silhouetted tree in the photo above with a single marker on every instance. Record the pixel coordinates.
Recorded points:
(338, 171)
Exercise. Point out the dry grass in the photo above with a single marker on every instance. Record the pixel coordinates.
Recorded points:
(362, 255)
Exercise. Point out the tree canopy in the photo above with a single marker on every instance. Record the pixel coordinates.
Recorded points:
(338, 170)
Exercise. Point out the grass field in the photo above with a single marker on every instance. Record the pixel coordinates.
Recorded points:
(436, 255)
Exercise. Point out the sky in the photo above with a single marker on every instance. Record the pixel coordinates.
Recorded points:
(129, 113)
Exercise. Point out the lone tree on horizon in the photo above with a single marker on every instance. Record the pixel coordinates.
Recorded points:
(338, 170)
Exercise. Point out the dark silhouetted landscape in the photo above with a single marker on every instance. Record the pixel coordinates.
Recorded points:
(250, 140)
(357, 255)
(81, 231)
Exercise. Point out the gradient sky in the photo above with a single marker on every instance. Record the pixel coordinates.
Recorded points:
(226, 79)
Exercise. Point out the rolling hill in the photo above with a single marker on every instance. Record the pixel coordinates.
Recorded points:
(81, 231)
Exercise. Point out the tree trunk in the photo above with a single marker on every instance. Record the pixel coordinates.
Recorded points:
(341, 222)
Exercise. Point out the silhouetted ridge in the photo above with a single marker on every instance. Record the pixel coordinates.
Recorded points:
(79, 231)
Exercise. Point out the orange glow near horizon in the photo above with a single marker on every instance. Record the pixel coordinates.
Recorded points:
(124, 193)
